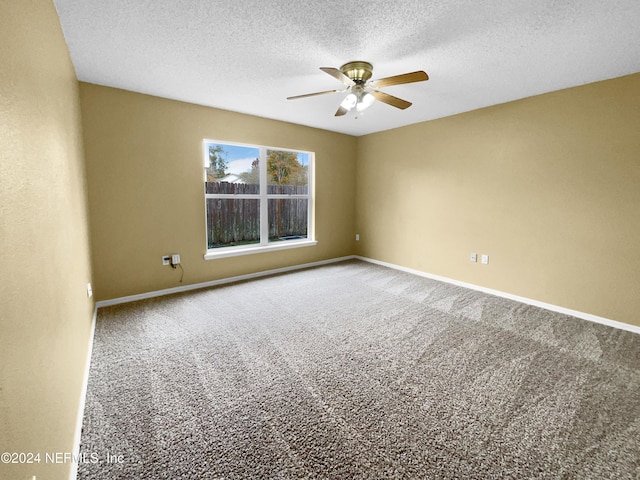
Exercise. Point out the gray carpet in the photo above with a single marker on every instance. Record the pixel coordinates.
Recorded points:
(356, 371)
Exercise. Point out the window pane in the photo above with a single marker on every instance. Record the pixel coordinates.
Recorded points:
(288, 219)
(232, 222)
(239, 197)
(232, 164)
(287, 172)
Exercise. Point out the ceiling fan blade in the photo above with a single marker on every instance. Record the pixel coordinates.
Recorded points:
(341, 111)
(336, 73)
(313, 94)
(418, 76)
(390, 99)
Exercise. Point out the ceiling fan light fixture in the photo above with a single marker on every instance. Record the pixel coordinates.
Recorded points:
(349, 101)
(364, 101)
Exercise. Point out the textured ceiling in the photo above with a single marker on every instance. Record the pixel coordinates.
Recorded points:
(249, 55)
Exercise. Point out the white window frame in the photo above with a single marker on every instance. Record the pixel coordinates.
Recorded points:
(264, 245)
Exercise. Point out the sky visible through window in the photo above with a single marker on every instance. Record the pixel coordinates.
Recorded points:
(239, 158)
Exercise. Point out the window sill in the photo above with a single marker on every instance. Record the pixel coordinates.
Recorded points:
(237, 251)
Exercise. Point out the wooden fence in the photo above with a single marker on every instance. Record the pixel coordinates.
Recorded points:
(236, 221)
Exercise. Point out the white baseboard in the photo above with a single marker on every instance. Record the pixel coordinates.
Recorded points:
(517, 298)
(73, 474)
(213, 283)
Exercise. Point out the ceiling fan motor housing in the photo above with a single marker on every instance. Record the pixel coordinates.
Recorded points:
(358, 71)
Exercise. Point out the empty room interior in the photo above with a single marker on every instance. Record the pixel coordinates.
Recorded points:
(329, 240)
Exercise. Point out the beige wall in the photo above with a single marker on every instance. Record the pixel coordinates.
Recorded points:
(45, 315)
(548, 186)
(145, 173)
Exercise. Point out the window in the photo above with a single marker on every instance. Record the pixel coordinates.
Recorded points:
(257, 198)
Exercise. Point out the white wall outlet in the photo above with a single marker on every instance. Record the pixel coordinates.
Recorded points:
(175, 259)
(473, 257)
(357, 237)
(166, 260)
(485, 259)
(89, 290)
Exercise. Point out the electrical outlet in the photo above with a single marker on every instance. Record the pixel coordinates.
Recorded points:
(357, 237)
(175, 259)
(473, 257)
(166, 260)
(89, 290)
(485, 259)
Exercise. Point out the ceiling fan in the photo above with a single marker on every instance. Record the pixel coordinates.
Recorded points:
(363, 91)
